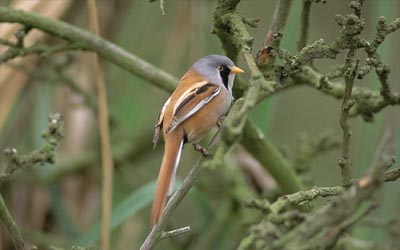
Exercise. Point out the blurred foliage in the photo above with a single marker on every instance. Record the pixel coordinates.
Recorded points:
(66, 211)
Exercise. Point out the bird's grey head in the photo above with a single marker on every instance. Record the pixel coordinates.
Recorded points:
(217, 69)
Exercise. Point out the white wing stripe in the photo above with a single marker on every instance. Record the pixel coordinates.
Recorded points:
(175, 123)
(163, 109)
(186, 93)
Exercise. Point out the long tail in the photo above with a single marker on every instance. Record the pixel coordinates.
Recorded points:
(172, 153)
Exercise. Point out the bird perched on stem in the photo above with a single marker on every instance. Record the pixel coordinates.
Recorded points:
(202, 97)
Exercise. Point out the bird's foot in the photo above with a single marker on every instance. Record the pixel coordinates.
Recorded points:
(202, 150)
(219, 121)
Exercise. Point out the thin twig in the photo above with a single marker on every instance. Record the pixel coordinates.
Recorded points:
(157, 230)
(40, 49)
(173, 202)
(16, 163)
(11, 226)
(45, 154)
(304, 24)
(175, 232)
(348, 102)
(106, 155)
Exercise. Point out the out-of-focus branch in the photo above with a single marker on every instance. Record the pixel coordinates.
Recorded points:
(11, 226)
(328, 217)
(38, 48)
(304, 24)
(392, 175)
(175, 232)
(311, 146)
(87, 41)
(256, 144)
(305, 196)
(44, 155)
(103, 118)
(394, 231)
(18, 163)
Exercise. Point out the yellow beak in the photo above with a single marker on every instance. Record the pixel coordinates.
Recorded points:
(236, 70)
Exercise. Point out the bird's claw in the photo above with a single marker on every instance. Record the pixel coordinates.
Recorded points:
(202, 150)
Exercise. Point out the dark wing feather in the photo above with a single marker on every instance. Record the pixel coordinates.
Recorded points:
(192, 101)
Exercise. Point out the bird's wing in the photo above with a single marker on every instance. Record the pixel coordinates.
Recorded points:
(159, 123)
(191, 101)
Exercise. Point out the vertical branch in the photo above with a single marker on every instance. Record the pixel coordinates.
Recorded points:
(274, 35)
(107, 162)
(344, 160)
(304, 24)
(10, 225)
(262, 150)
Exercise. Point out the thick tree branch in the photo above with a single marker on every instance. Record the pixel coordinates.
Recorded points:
(256, 144)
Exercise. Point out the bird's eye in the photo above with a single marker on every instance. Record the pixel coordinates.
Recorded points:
(220, 68)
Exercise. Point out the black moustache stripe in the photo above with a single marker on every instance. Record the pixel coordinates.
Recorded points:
(225, 75)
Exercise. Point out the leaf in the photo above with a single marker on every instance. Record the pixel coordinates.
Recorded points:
(128, 207)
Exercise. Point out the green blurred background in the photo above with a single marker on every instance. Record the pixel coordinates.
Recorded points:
(64, 210)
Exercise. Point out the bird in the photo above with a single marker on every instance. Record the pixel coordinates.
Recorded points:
(201, 98)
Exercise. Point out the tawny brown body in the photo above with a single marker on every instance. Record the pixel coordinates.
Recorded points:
(194, 129)
(201, 98)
